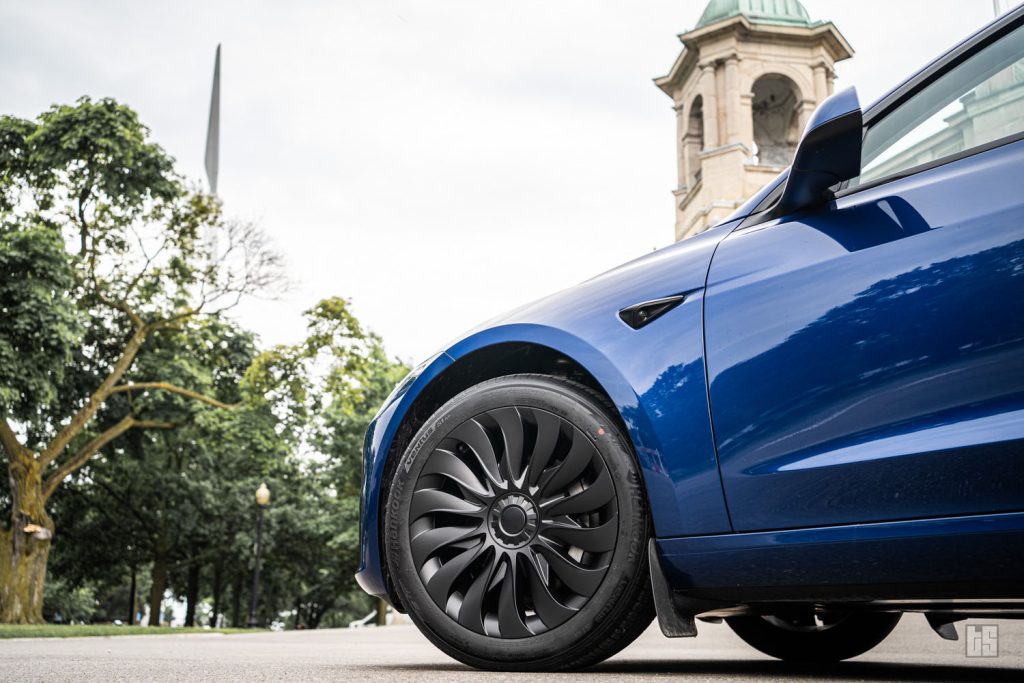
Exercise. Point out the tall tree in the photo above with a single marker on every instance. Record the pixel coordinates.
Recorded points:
(102, 249)
(313, 544)
(327, 388)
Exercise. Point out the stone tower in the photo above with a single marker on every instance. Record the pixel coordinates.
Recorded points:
(749, 75)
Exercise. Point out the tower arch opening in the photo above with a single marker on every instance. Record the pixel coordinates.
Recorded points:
(694, 140)
(776, 118)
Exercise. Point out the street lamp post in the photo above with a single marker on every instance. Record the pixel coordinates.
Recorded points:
(262, 501)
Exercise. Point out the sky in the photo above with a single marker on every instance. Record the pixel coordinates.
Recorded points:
(436, 163)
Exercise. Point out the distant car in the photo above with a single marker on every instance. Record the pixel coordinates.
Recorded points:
(806, 421)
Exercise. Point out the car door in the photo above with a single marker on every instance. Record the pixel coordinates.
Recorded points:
(866, 359)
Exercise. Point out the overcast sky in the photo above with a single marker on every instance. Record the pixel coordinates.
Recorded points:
(434, 162)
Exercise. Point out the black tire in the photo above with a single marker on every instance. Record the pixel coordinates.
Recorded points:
(832, 638)
(561, 581)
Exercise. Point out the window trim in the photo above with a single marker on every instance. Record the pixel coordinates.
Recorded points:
(845, 190)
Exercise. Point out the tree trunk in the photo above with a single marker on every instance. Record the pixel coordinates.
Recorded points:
(236, 602)
(382, 612)
(131, 599)
(313, 618)
(191, 595)
(156, 592)
(218, 580)
(317, 613)
(25, 546)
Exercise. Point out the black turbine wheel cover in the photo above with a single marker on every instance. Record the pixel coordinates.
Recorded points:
(513, 522)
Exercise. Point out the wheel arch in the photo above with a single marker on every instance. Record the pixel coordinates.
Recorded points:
(510, 350)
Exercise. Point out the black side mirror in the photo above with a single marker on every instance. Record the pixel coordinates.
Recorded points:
(828, 153)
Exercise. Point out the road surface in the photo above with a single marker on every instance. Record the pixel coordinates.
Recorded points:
(399, 654)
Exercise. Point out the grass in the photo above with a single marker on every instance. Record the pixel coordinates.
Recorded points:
(91, 630)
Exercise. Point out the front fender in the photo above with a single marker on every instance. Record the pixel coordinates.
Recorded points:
(654, 376)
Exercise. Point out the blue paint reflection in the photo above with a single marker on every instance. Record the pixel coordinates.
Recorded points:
(864, 360)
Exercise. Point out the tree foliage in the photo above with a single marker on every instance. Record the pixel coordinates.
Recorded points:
(41, 327)
(181, 502)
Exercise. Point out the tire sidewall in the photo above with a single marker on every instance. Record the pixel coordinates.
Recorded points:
(598, 616)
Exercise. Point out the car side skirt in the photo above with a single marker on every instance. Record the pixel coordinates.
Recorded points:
(970, 557)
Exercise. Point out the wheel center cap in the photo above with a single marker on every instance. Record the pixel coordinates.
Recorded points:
(513, 520)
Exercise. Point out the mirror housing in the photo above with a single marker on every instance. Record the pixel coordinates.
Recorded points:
(828, 153)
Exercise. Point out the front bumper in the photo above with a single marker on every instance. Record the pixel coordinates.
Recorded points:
(371, 575)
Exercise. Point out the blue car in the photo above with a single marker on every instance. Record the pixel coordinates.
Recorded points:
(806, 421)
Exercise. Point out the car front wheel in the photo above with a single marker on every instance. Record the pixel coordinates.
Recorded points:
(517, 528)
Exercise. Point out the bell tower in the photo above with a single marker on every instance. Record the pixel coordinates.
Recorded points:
(749, 75)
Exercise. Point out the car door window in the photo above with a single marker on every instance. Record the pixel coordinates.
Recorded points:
(978, 102)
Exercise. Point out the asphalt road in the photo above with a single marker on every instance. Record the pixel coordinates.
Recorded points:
(397, 654)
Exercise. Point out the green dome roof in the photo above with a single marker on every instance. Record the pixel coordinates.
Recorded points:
(760, 11)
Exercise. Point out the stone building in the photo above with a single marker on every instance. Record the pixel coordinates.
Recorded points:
(749, 75)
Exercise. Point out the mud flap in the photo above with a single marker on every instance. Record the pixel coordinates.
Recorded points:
(673, 622)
